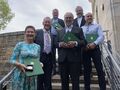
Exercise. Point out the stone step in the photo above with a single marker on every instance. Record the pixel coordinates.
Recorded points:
(94, 79)
(57, 86)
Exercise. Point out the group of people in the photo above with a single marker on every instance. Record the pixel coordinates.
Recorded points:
(72, 55)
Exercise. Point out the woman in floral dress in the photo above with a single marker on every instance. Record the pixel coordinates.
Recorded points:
(22, 51)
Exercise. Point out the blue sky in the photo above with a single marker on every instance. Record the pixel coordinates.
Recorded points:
(32, 12)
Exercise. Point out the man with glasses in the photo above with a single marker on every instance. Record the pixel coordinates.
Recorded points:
(69, 53)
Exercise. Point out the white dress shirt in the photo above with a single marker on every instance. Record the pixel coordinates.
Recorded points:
(68, 29)
(79, 20)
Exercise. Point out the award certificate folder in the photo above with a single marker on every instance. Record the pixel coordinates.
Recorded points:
(57, 26)
(91, 37)
(37, 68)
(69, 37)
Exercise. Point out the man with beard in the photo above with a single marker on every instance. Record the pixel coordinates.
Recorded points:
(69, 54)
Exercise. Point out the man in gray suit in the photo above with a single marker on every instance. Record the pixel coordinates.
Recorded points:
(46, 41)
(69, 53)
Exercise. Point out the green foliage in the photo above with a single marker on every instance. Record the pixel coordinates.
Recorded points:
(5, 14)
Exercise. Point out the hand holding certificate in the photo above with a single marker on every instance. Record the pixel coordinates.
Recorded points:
(69, 37)
(57, 26)
(33, 67)
(91, 37)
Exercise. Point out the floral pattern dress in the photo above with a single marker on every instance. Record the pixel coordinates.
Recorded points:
(21, 52)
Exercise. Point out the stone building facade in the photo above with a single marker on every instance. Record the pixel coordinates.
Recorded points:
(106, 13)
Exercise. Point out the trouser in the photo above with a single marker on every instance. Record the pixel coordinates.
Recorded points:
(95, 54)
(69, 69)
(44, 81)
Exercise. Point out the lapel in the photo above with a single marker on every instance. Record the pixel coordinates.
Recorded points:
(83, 21)
(42, 36)
(51, 39)
(72, 30)
(76, 22)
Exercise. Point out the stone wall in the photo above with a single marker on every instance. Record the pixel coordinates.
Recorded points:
(106, 13)
(7, 43)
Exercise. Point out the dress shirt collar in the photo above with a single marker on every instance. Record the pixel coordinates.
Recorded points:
(79, 17)
(89, 24)
(68, 28)
(54, 19)
(46, 31)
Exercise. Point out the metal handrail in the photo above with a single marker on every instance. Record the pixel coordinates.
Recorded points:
(111, 67)
(6, 79)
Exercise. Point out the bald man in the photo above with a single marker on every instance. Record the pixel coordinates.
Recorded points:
(69, 53)
(46, 41)
(93, 51)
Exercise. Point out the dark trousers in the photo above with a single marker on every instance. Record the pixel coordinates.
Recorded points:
(44, 81)
(69, 69)
(96, 57)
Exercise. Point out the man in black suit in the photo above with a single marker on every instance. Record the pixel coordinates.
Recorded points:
(69, 53)
(80, 20)
(55, 19)
(46, 41)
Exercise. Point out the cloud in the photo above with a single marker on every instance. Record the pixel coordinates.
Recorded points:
(32, 12)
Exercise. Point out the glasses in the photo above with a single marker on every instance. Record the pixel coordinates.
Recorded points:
(68, 17)
(89, 16)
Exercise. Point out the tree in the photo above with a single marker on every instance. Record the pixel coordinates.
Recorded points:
(5, 14)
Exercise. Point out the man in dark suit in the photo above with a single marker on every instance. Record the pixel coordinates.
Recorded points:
(54, 30)
(69, 54)
(46, 41)
(80, 20)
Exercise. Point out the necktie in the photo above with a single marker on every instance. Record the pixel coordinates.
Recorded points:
(47, 47)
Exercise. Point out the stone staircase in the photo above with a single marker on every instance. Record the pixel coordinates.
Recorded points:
(56, 82)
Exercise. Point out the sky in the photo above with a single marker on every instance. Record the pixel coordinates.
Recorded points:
(32, 12)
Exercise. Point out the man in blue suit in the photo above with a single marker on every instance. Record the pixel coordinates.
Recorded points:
(46, 41)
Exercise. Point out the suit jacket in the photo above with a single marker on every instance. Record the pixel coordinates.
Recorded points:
(75, 23)
(72, 54)
(39, 39)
